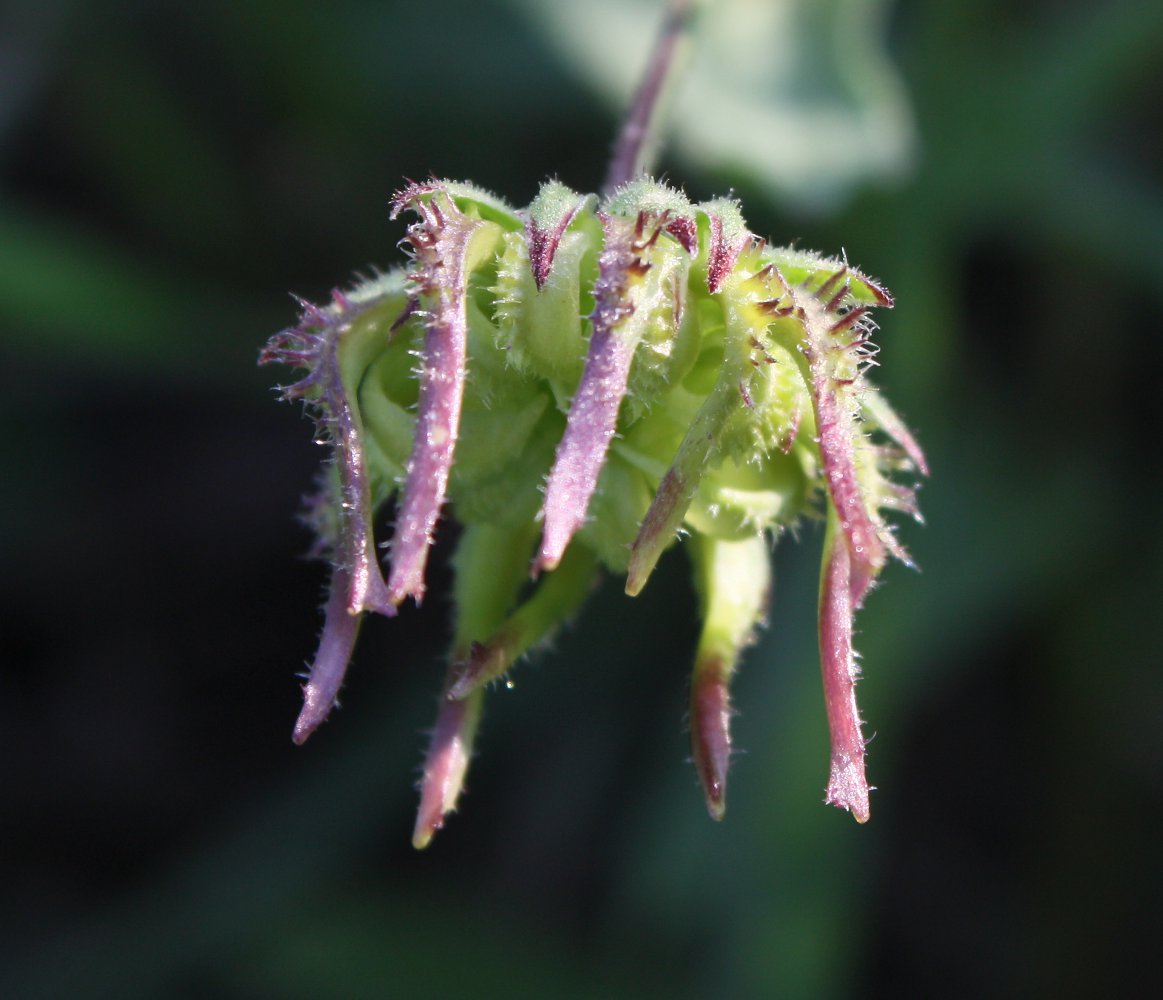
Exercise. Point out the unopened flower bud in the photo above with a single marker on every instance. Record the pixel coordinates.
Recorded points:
(578, 385)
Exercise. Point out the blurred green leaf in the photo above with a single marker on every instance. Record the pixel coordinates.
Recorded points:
(370, 947)
(65, 290)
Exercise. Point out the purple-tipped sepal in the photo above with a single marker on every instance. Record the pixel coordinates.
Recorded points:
(837, 333)
(340, 629)
(733, 579)
(847, 784)
(445, 765)
(439, 243)
(323, 343)
(593, 414)
(638, 296)
(711, 731)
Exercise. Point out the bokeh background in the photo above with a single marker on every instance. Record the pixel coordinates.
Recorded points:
(169, 172)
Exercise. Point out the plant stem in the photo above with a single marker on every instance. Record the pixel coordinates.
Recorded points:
(638, 142)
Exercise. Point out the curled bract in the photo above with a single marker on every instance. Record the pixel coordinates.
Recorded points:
(578, 384)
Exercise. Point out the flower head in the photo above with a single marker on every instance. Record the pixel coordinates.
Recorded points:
(597, 377)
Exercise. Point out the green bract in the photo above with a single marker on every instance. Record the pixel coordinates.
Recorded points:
(596, 378)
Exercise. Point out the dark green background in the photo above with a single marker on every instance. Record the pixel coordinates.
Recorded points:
(168, 172)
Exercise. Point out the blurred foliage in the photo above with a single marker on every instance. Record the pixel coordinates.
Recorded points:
(168, 172)
(796, 97)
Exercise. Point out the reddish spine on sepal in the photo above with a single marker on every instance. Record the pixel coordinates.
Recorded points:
(722, 253)
(543, 242)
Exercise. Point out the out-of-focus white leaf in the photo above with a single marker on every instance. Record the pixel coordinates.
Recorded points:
(796, 95)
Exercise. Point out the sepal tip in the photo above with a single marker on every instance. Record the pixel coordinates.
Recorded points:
(711, 733)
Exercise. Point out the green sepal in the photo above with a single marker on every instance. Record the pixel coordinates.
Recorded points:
(555, 600)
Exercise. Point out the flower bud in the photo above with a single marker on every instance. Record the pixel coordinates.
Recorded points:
(578, 385)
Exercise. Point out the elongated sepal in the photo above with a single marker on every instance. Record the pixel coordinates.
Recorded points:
(711, 731)
(445, 766)
(667, 510)
(440, 243)
(640, 293)
(832, 302)
(734, 585)
(593, 414)
(437, 425)
(835, 346)
(557, 598)
(340, 629)
(490, 565)
(698, 451)
(847, 784)
(678, 486)
(367, 590)
(330, 345)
